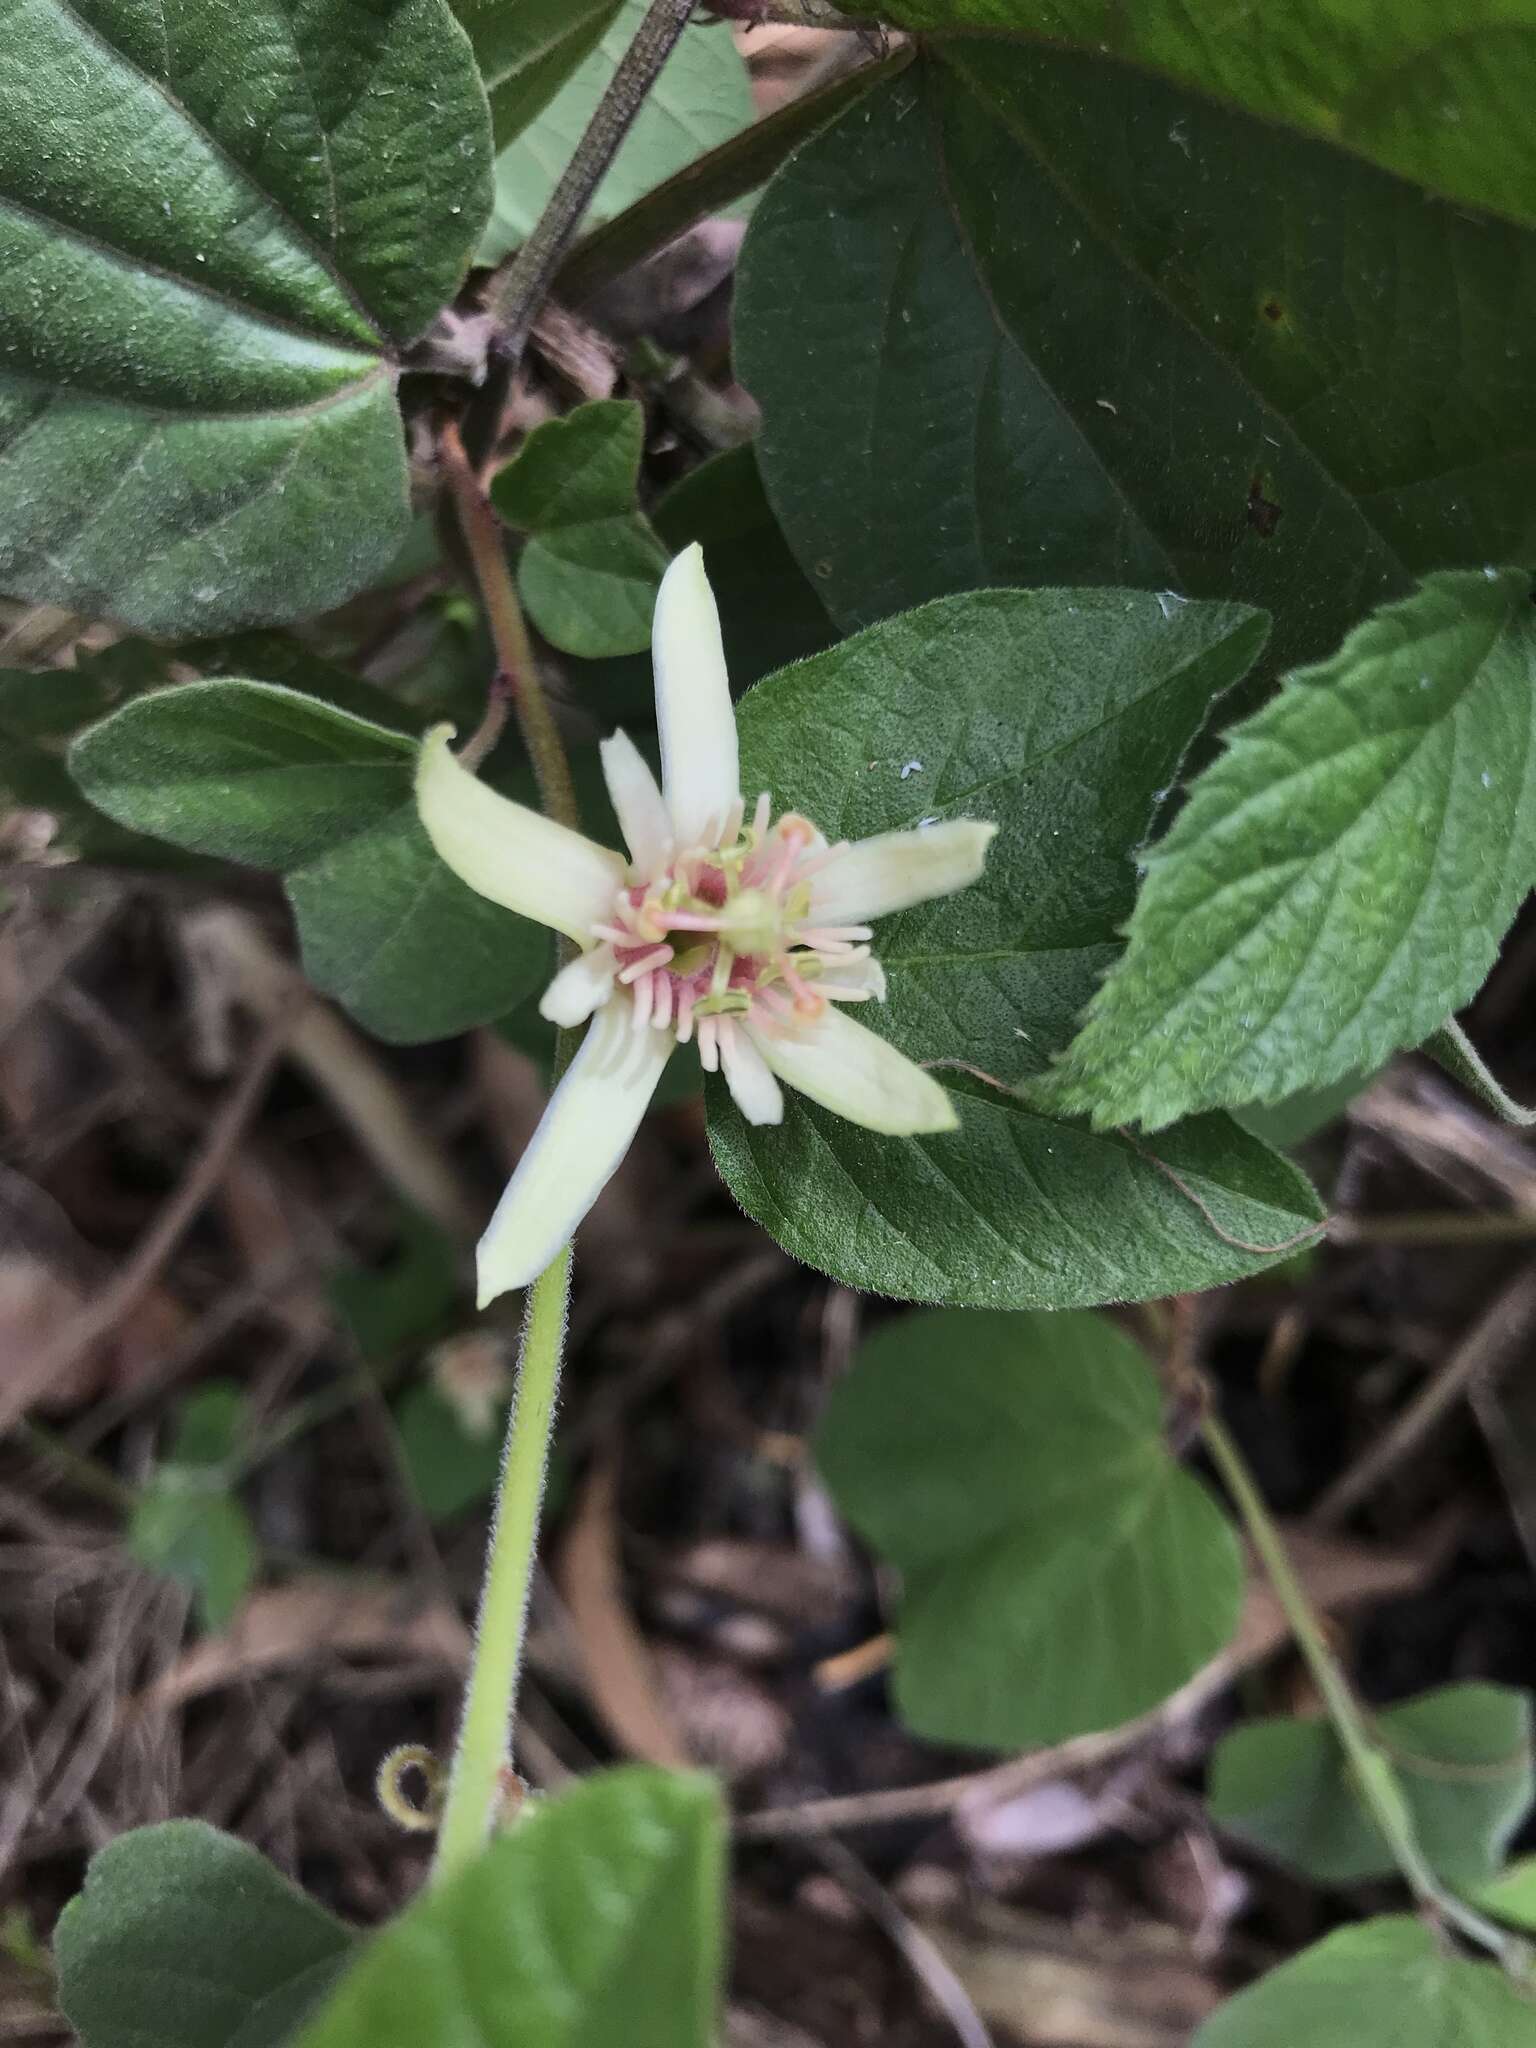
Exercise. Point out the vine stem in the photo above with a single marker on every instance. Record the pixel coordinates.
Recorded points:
(477, 1780)
(517, 290)
(1370, 1764)
(517, 681)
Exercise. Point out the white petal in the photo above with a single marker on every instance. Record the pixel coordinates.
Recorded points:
(575, 1152)
(580, 987)
(854, 1073)
(753, 1089)
(511, 854)
(637, 803)
(877, 876)
(699, 767)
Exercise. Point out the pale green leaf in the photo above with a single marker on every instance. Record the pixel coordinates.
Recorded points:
(700, 99)
(1341, 878)
(527, 49)
(450, 1467)
(1384, 1984)
(217, 229)
(1437, 93)
(597, 1921)
(591, 565)
(1462, 1755)
(188, 1523)
(1073, 325)
(185, 1938)
(1060, 1571)
(1512, 1894)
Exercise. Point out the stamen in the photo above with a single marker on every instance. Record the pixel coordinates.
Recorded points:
(645, 996)
(661, 1013)
(761, 815)
(838, 992)
(709, 1049)
(616, 935)
(658, 957)
(693, 921)
(684, 1025)
(835, 934)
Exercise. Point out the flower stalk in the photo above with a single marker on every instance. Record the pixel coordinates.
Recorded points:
(483, 1755)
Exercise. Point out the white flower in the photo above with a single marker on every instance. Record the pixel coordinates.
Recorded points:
(746, 935)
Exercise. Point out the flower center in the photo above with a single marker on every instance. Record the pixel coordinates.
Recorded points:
(726, 932)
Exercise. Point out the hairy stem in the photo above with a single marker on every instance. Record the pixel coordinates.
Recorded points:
(477, 1782)
(1370, 1764)
(517, 682)
(518, 290)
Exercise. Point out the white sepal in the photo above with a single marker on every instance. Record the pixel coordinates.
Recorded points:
(637, 803)
(853, 1072)
(508, 853)
(580, 987)
(748, 1076)
(582, 1136)
(896, 869)
(700, 771)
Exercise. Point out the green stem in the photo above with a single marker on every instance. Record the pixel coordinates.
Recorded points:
(484, 1750)
(1370, 1764)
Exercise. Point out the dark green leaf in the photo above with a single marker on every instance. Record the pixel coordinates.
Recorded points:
(186, 1938)
(1418, 87)
(1072, 325)
(1301, 1116)
(700, 99)
(187, 1522)
(527, 49)
(450, 1468)
(215, 235)
(1462, 1756)
(1384, 1984)
(1341, 878)
(398, 939)
(1060, 1571)
(1013, 1210)
(261, 774)
(596, 1922)
(400, 1305)
(1063, 715)
(248, 771)
(589, 571)
(769, 613)
(280, 658)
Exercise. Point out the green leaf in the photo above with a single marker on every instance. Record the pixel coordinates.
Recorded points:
(1063, 715)
(187, 1522)
(450, 1467)
(527, 49)
(1064, 331)
(1419, 88)
(770, 614)
(1462, 1755)
(597, 1921)
(1341, 878)
(394, 935)
(700, 99)
(589, 572)
(400, 1305)
(1302, 1115)
(257, 773)
(1384, 1984)
(1512, 1895)
(185, 1938)
(217, 235)
(1013, 1210)
(247, 771)
(187, 1526)
(1061, 1572)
